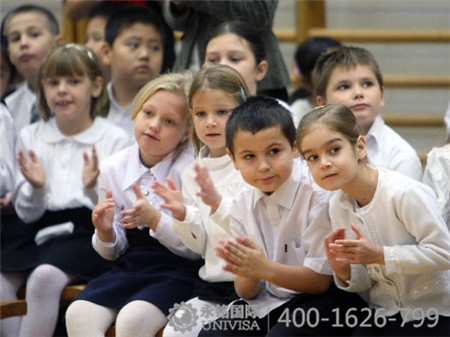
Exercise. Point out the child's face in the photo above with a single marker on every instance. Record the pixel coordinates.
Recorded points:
(264, 159)
(136, 56)
(234, 51)
(332, 159)
(357, 88)
(29, 40)
(210, 112)
(95, 36)
(160, 126)
(70, 97)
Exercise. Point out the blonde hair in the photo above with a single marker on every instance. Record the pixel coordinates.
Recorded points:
(177, 83)
(217, 77)
(69, 60)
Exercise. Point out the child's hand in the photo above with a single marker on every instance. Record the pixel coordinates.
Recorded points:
(90, 169)
(32, 169)
(141, 214)
(358, 251)
(243, 257)
(341, 268)
(207, 191)
(173, 198)
(103, 217)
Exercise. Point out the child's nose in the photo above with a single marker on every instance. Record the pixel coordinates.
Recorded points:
(325, 162)
(263, 165)
(155, 124)
(357, 91)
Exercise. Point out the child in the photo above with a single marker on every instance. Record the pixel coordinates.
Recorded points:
(55, 188)
(389, 242)
(437, 176)
(238, 45)
(202, 217)
(134, 50)
(152, 270)
(302, 100)
(31, 31)
(279, 222)
(350, 76)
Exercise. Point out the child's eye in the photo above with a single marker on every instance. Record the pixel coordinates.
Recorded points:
(51, 82)
(311, 157)
(14, 38)
(35, 34)
(155, 48)
(274, 151)
(74, 81)
(335, 149)
(367, 84)
(147, 112)
(170, 122)
(223, 112)
(212, 60)
(200, 114)
(342, 87)
(249, 156)
(235, 59)
(133, 45)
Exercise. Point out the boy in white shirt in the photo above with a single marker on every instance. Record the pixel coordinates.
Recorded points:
(279, 223)
(350, 76)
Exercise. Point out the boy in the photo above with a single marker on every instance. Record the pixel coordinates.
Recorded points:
(279, 221)
(134, 50)
(31, 31)
(351, 76)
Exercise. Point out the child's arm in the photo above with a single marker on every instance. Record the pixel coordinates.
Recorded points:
(207, 192)
(247, 260)
(90, 169)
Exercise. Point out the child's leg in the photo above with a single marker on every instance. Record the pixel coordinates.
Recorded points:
(9, 285)
(139, 318)
(43, 292)
(84, 318)
(191, 316)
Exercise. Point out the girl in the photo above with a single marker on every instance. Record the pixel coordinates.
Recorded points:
(390, 243)
(215, 91)
(238, 45)
(151, 271)
(55, 186)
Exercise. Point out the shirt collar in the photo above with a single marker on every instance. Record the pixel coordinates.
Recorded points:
(285, 194)
(52, 134)
(204, 156)
(376, 129)
(135, 168)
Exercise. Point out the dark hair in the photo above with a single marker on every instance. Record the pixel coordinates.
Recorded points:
(68, 60)
(343, 56)
(309, 51)
(12, 69)
(336, 117)
(217, 77)
(128, 16)
(52, 23)
(258, 113)
(245, 31)
(103, 9)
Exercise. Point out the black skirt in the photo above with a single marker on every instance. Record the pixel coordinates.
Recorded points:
(147, 271)
(72, 253)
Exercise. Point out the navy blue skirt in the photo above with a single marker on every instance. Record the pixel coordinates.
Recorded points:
(72, 253)
(147, 272)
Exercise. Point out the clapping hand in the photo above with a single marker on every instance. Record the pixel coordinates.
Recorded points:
(32, 169)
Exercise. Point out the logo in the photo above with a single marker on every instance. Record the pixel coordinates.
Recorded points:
(183, 317)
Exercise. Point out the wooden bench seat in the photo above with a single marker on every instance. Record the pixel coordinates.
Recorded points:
(12, 308)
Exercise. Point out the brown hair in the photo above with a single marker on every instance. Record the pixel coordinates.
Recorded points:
(217, 77)
(68, 60)
(343, 56)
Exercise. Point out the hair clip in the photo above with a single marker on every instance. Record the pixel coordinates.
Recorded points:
(82, 49)
(244, 97)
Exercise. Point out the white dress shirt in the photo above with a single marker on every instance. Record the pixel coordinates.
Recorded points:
(120, 116)
(437, 176)
(403, 218)
(19, 103)
(8, 138)
(387, 149)
(201, 229)
(289, 225)
(62, 159)
(118, 173)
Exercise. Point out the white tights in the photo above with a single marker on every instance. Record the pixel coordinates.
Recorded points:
(137, 318)
(43, 293)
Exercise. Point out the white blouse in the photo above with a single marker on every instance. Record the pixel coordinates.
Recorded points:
(20, 103)
(289, 225)
(201, 229)
(437, 176)
(8, 138)
(118, 173)
(403, 218)
(62, 159)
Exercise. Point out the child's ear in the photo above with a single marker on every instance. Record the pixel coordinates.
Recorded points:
(320, 101)
(382, 97)
(361, 147)
(295, 151)
(59, 39)
(232, 159)
(104, 54)
(97, 87)
(262, 69)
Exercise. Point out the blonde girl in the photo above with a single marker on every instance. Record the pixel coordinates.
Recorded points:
(153, 269)
(389, 244)
(54, 191)
(201, 213)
